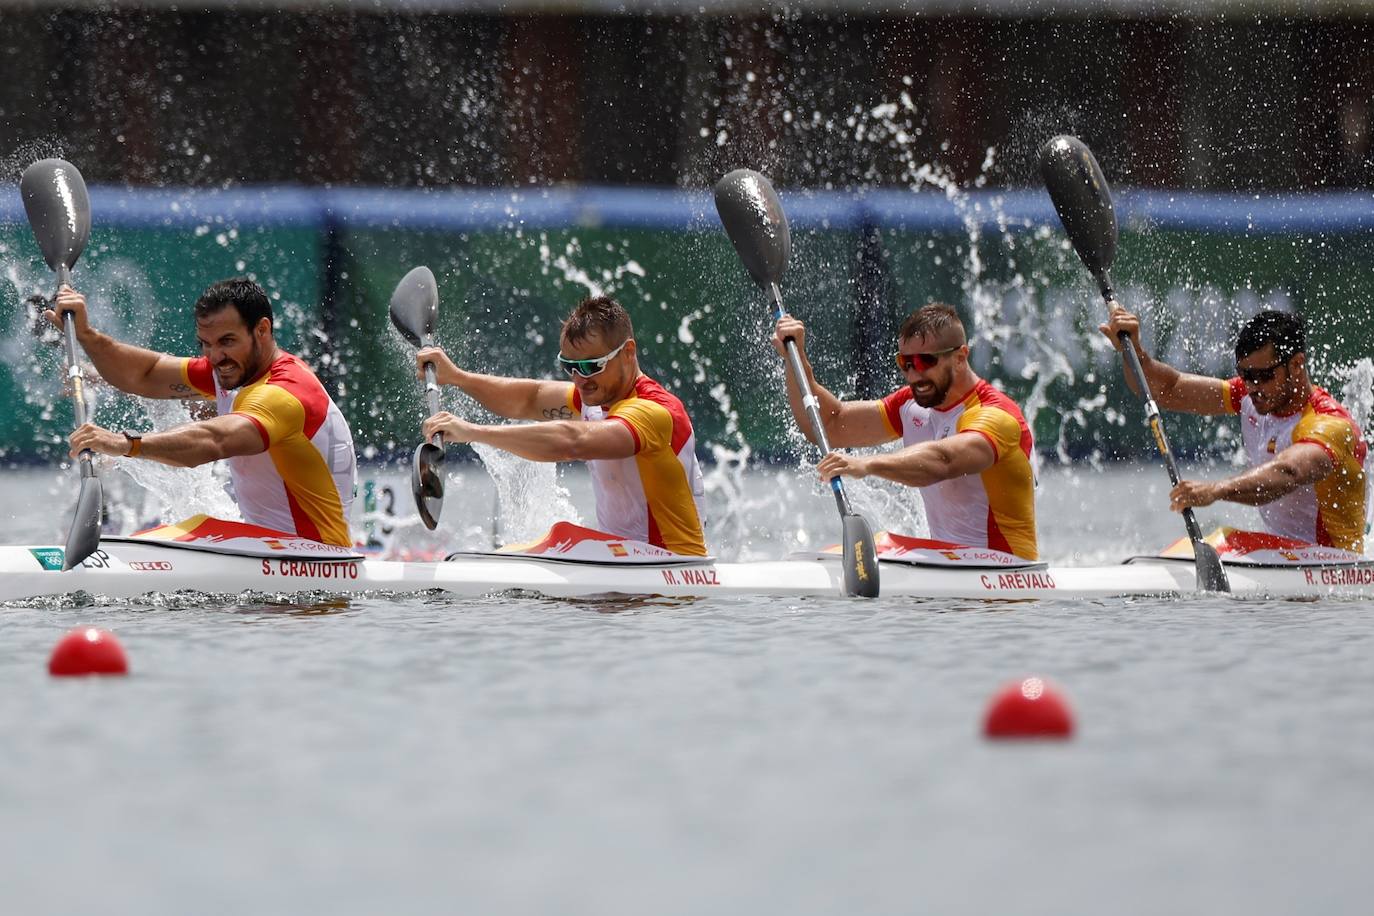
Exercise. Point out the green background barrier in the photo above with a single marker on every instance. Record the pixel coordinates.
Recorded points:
(141, 284)
(702, 328)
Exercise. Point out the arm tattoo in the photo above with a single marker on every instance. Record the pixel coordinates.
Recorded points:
(185, 392)
(558, 413)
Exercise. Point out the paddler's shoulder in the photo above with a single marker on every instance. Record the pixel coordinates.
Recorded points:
(651, 390)
(288, 367)
(986, 394)
(649, 394)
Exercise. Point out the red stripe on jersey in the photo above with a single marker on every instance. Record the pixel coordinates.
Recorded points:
(1321, 445)
(639, 446)
(655, 536)
(1323, 536)
(991, 397)
(650, 390)
(1323, 403)
(987, 439)
(201, 375)
(262, 430)
(1236, 386)
(892, 404)
(996, 539)
(293, 376)
(305, 525)
(287, 372)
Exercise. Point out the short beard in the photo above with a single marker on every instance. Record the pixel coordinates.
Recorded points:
(934, 399)
(252, 368)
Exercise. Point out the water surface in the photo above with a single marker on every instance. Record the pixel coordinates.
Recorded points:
(422, 754)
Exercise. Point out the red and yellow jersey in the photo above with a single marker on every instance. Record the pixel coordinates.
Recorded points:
(995, 508)
(304, 481)
(654, 495)
(1331, 511)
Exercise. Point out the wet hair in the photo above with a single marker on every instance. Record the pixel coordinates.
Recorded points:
(598, 315)
(246, 296)
(1284, 330)
(930, 320)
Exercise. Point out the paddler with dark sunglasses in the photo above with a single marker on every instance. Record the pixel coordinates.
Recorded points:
(965, 444)
(635, 437)
(1306, 453)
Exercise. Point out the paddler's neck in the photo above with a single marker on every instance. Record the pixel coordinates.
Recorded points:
(631, 383)
(964, 382)
(270, 352)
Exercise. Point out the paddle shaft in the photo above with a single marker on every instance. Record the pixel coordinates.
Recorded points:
(74, 371)
(1152, 417)
(813, 411)
(432, 391)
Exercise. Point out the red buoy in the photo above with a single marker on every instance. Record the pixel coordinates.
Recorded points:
(87, 650)
(1030, 708)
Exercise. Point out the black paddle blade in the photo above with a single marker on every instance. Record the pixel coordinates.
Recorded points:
(753, 218)
(860, 559)
(1082, 199)
(84, 535)
(1211, 574)
(59, 210)
(415, 306)
(1211, 577)
(427, 483)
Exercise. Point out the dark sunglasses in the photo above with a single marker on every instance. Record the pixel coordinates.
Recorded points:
(589, 367)
(1258, 375)
(923, 361)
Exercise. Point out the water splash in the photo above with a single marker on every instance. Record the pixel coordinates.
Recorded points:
(1357, 394)
(529, 496)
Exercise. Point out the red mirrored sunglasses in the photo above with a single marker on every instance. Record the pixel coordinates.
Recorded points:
(923, 362)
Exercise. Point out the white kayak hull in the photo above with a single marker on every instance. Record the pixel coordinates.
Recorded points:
(131, 569)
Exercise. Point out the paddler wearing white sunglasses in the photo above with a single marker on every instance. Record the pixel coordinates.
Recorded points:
(636, 437)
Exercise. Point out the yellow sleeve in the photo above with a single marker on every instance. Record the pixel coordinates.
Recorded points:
(1334, 434)
(651, 423)
(997, 426)
(275, 412)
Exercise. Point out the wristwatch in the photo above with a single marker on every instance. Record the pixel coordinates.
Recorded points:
(135, 444)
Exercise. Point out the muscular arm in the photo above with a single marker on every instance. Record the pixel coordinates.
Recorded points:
(135, 370)
(519, 398)
(1296, 466)
(514, 398)
(562, 440)
(183, 446)
(916, 465)
(847, 424)
(193, 444)
(931, 462)
(1172, 389)
(1180, 391)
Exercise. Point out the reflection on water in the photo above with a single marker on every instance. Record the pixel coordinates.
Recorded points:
(308, 604)
(620, 604)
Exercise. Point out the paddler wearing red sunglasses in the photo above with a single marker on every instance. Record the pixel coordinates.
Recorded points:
(966, 445)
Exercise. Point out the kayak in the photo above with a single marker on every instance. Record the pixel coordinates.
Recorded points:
(211, 556)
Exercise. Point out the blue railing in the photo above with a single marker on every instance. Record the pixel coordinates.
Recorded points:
(496, 208)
